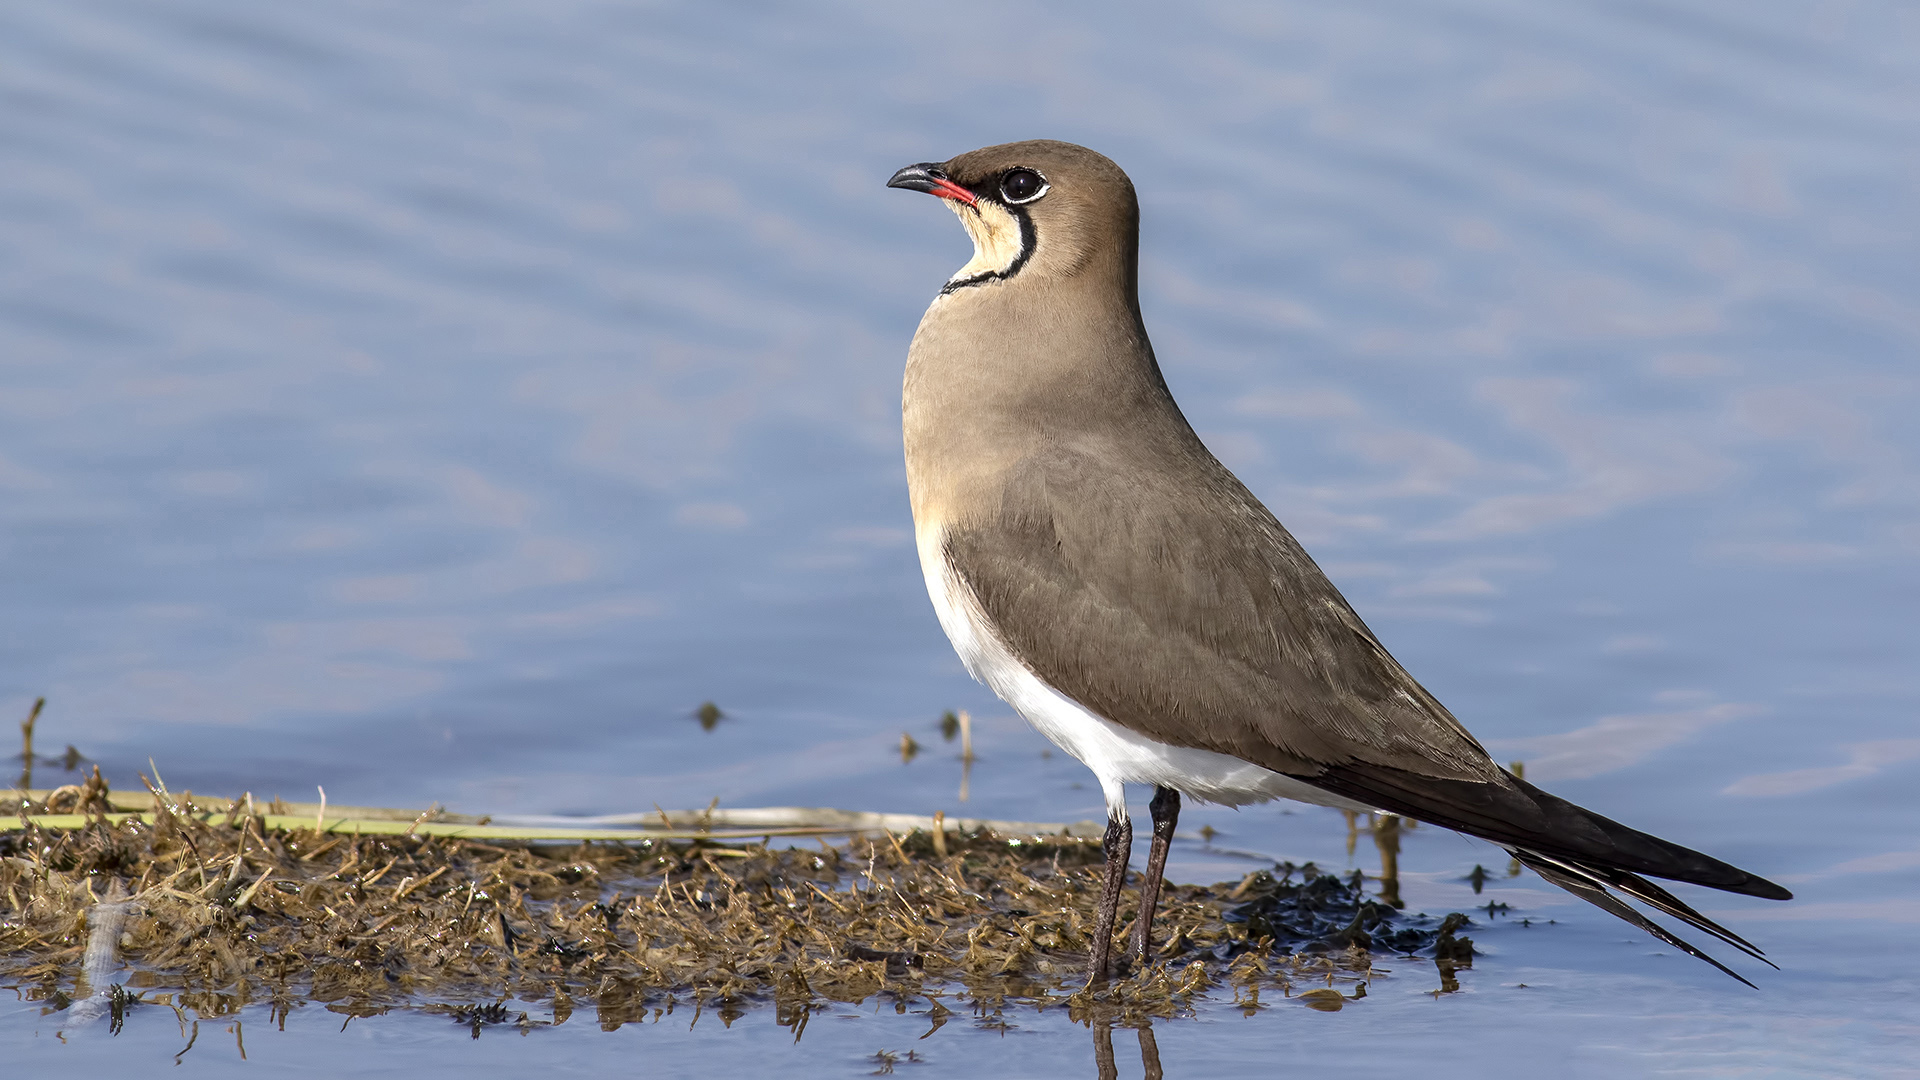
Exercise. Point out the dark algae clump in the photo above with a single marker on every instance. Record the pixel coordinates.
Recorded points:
(1322, 912)
(200, 906)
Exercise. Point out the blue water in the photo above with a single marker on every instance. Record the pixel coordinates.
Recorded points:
(440, 402)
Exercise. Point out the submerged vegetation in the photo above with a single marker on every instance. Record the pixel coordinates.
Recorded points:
(213, 905)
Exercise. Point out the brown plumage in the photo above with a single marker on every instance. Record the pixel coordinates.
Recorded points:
(1099, 568)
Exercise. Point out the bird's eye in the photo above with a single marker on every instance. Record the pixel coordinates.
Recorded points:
(1022, 185)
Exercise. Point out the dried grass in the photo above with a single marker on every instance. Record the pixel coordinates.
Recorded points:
(223, 910)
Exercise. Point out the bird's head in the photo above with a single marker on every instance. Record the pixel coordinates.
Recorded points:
(1036, 211)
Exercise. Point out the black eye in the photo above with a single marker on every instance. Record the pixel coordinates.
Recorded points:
(1022, 185)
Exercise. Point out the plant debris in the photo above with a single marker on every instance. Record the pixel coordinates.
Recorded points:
(204, 905)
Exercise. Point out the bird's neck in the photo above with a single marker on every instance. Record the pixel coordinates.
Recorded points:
(1001, 372)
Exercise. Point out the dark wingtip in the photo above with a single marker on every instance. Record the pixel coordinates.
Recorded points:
(1762, 888)
(1517, 814)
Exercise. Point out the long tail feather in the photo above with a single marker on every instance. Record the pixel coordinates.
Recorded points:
(1654, 896)
(1591, 886)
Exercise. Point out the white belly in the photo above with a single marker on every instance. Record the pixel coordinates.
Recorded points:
(1117, 755)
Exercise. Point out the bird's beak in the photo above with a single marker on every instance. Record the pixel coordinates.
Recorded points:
(929, 178)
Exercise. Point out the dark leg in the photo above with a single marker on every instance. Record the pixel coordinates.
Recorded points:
(1166, 811)
(1118, 848)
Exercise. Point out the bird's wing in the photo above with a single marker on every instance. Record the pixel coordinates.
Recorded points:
(1177, 606)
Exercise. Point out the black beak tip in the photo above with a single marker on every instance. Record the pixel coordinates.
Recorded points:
(919, 177)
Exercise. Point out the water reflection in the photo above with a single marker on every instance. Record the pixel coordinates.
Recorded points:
(961, 724)
(69, 761)
(1386, 836)
(1104, 1066)
(1385, 830)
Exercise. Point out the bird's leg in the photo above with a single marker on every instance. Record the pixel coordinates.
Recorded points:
(1166, 811)
(1118, 848)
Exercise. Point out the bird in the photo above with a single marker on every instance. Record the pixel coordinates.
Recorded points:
(1099, 569)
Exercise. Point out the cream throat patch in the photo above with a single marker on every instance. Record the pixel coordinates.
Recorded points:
(1002, 242)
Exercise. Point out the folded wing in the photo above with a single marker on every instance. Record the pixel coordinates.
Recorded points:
(1175, 605)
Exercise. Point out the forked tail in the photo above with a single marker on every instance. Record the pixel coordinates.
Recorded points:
(1568, 845)
(1590, 883)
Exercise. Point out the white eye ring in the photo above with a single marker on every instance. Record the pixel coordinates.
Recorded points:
(1009, 185)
